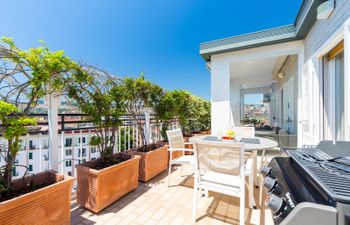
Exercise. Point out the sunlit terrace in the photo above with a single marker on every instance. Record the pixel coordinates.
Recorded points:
(156, 203)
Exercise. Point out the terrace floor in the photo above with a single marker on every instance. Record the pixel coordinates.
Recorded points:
(156, 203)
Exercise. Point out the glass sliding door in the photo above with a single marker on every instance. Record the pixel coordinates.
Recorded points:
(333, 95)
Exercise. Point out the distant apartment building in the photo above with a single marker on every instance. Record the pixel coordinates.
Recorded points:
(74, 148)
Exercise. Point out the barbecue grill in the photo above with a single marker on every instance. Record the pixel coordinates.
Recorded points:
(311, 186)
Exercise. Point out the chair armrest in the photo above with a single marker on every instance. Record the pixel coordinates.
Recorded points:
(180, 149)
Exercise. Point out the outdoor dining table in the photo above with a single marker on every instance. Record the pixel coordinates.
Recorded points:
(252, 145)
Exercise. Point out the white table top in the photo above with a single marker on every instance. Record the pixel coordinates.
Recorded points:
(250, 144)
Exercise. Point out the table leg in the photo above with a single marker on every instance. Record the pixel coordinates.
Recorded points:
(255, 166)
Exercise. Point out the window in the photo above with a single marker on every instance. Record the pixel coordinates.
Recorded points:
(68, 151)
(68, 142)
(14, 173)
(93, 150)
(83, 140)
(30, 168)
(82, 152)
(333, 94)
(93, 158)
(30, 155)
(31, 146)
(69, 173)
(68, 163)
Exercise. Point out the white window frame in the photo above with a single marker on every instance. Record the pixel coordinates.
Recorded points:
(342, 33)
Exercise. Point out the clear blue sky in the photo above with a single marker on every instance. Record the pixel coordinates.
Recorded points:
(158, 37)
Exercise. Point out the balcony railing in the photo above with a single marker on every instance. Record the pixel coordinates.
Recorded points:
(75, 126)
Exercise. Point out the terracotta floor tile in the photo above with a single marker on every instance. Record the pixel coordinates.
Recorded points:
(156, 203)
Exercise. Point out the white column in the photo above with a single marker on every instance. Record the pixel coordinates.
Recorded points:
(147, 128)
(300, 140)
(235, 102)
(53, 103)
(221, 116)
(347, 78)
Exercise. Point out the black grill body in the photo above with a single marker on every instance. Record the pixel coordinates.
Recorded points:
(312, 175)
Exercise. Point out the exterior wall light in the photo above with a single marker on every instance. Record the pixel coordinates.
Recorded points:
(280, 75)
(325, 10)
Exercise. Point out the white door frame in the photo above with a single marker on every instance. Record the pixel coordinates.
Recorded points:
(316, 62)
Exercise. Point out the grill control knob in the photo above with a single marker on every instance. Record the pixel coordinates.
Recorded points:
(265, 171)
(275, 203)
(269, 183)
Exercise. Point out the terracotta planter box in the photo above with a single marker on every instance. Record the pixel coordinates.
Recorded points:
(97, 189)
(48, 205)
(176, 154)
(152, 163)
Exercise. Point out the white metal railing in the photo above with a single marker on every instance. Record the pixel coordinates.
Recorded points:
(73, 144)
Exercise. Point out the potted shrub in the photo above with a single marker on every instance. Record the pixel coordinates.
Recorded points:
(27, 76)
(106, 179)
(34, 196)
(140, 95)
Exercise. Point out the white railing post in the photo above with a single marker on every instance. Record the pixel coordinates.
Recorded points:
(62, 153)
(53, 130)
(119, 140)
(133, 136)
(81, 146)
(115, 150)
(89, 146)
(129, 137)
(40, 151)
(147, 128)
(73, 154)
(27, 150)
(137, 137)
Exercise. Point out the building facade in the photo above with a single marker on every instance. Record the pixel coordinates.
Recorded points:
(304, 69)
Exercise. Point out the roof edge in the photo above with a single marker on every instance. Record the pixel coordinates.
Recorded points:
(306, 17)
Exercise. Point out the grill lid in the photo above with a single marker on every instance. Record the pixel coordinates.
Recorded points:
(331, 173)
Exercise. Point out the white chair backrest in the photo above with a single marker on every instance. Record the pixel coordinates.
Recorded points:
(175, 138)
(219, 157)
(245, 132)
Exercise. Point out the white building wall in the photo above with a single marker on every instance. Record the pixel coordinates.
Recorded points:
(289, 84)
(322, 37)
(324, 29)
(221, 115)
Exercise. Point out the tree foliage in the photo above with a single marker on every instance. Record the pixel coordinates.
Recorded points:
(28, 75)
(13, 125)
(25, 77)
(138, 95)
(91, 89)
(192, 112)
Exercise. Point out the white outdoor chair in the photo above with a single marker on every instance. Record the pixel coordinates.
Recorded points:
(177, 143)
(245, 132)
(221, 167)
(249, 132)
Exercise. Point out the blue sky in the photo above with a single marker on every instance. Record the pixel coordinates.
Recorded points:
(158, 37)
